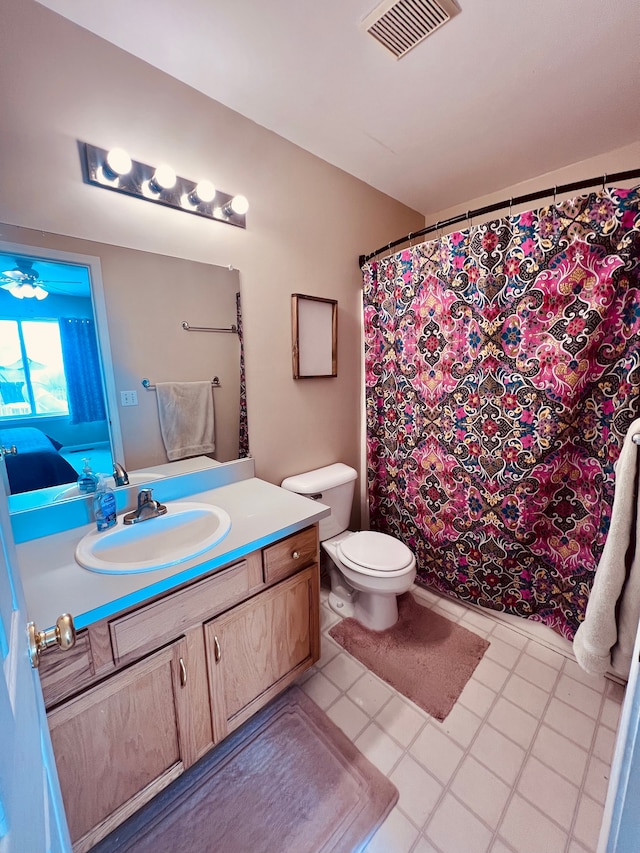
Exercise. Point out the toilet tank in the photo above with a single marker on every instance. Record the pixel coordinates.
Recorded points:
(332, 485)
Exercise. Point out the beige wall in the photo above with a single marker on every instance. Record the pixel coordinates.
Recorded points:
(307, 224)
(608, 163)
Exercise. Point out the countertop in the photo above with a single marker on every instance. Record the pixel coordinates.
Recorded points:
(54, 583)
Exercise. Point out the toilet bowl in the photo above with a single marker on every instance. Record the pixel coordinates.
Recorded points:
(367, 569)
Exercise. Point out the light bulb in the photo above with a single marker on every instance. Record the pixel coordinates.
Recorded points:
(164, 178)
(118, 162)
(205, 191)
(239, 204)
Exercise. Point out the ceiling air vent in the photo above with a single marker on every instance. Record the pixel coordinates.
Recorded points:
(400, 25)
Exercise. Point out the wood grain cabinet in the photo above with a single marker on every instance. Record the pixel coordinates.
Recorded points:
(148, 691)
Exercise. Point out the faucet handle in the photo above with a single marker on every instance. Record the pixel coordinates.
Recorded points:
(145, 496)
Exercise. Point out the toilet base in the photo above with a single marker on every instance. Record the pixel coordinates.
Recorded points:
(375, 611)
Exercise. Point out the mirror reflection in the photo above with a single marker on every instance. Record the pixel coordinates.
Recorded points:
(81, 325)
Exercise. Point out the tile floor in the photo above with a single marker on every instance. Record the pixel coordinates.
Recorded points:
(521, 763)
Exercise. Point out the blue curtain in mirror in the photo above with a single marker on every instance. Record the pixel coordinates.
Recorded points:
(82, 370)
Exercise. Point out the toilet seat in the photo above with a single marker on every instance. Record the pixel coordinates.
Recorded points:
(377, 554)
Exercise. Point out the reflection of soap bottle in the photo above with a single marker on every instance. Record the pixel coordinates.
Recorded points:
(87, 481)
(104, 505)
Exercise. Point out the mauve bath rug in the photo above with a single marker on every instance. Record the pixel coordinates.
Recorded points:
(287, 781)
(426, 657)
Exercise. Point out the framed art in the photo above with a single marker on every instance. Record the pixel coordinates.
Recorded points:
(314, 328)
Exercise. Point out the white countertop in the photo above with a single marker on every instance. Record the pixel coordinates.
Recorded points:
(54, 583)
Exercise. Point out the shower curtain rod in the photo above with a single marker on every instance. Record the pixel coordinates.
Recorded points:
(508, 202)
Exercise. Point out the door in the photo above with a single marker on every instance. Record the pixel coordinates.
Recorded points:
(255, 646)
(121, 742)
(31, 812)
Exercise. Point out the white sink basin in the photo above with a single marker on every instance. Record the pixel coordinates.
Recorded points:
(187, 530)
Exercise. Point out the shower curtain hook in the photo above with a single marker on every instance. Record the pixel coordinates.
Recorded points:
(409, 239)
(604, 181)
(555, 190)
(510, 206)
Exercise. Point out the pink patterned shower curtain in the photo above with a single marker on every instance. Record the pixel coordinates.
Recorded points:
(502, 372)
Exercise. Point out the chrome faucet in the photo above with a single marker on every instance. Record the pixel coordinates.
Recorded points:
(120, 475)
(147, 508)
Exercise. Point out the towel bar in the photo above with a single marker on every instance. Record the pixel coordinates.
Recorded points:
(215, 382)
(188, 328)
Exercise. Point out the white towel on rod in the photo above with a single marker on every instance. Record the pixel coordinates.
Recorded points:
(605, 640)
(186, 417)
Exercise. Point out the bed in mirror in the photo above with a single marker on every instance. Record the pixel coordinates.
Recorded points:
(74, 353)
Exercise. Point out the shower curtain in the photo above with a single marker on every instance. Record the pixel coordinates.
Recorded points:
(502, 372)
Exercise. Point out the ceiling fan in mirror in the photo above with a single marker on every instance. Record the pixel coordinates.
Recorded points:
(24, 282)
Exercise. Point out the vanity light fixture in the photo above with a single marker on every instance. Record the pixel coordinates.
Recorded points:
(114, 170)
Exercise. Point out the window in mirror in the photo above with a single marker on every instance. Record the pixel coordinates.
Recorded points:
(32, 371)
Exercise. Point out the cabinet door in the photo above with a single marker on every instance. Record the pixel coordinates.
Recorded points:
(256, 649)
(120, 742)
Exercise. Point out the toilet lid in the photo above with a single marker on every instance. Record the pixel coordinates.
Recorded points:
(376, 551)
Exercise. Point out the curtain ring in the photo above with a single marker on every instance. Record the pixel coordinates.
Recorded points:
(470, 218)
(604, 181)
(409, 239)
(555, 190)
(438, 235)
(510, 206)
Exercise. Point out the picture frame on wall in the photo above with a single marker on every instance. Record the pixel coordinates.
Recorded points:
(314, 328)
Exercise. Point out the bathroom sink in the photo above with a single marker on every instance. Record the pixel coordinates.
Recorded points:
(134, 480)
(187, 530)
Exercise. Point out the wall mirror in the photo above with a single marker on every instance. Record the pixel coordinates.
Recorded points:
(314, 329)
(134, 304)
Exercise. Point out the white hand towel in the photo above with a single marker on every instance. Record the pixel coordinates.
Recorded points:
(186, 418)
(606, 637)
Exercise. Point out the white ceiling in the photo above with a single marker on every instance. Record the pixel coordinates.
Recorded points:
(507, 90)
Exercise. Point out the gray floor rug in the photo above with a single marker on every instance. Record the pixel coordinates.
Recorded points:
(426, 657)
(288, 781)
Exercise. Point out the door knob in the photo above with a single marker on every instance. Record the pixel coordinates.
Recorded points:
(62, 634)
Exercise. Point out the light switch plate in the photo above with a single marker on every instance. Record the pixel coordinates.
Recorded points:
(129, 398)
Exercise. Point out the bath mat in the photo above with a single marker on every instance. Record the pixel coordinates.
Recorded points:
(287, 780)
(426, 657)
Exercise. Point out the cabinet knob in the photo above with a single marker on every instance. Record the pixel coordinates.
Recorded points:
(295, 555)
(63, 634)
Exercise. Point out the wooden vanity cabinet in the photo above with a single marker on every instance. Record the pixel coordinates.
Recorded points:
(144, 694)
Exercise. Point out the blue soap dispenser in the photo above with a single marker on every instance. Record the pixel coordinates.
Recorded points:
(104, 505)
(87, 481)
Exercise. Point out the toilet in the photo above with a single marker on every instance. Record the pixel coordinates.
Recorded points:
(368, 570)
